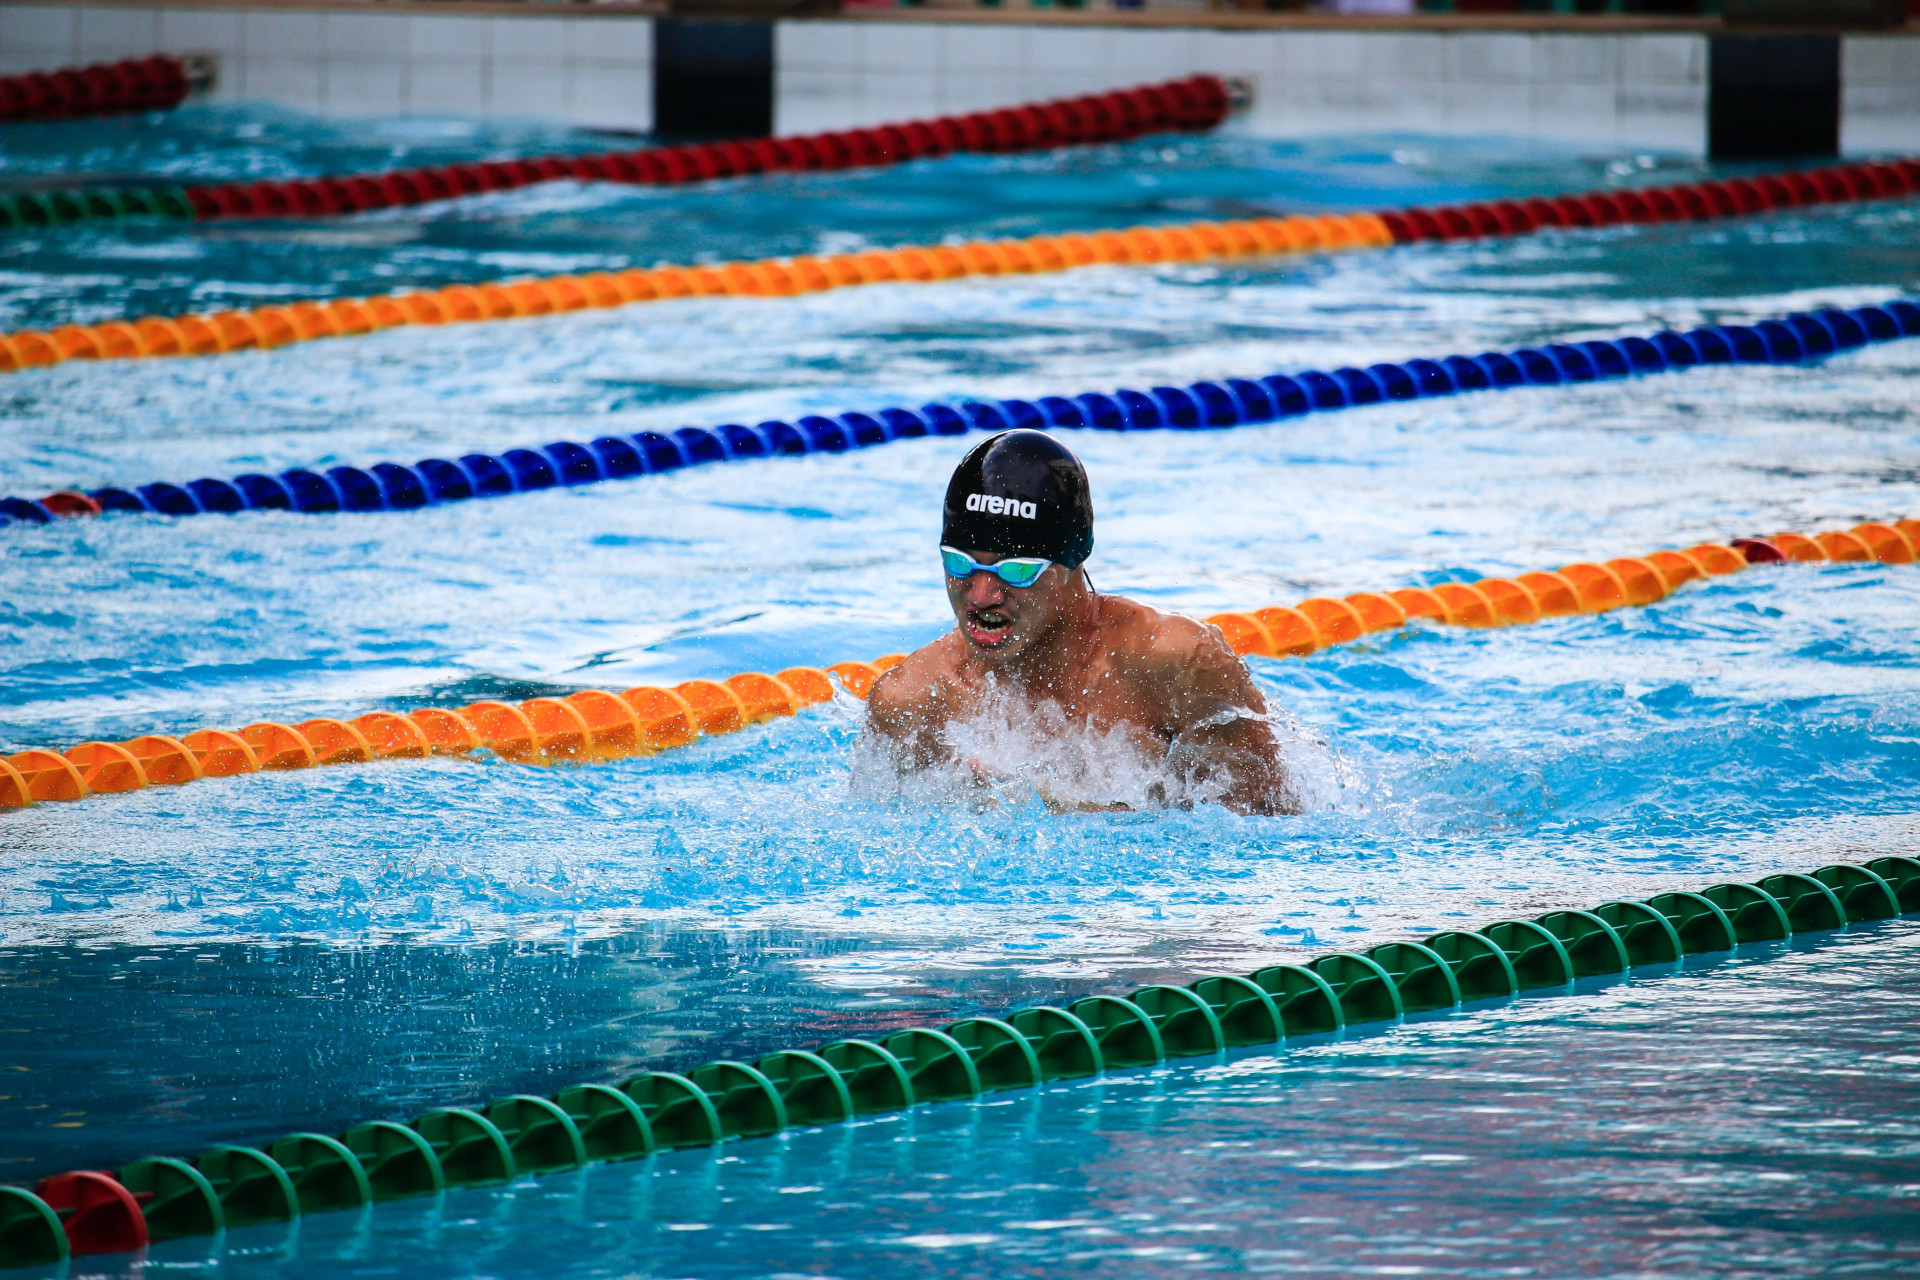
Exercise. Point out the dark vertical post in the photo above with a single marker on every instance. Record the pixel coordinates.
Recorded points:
(1772, 96)
(712, 78)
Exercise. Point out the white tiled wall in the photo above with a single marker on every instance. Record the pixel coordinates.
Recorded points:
(1880, 93)
(1625, 90)
(585, 70)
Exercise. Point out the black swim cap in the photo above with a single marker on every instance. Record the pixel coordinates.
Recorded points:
(1021, 493)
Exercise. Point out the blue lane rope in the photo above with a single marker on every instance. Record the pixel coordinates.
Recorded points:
(1229, 402)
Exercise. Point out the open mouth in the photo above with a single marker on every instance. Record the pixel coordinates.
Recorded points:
(988, 627)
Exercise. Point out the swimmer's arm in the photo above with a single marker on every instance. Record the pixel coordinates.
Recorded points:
(907, 709)
(1214, 706)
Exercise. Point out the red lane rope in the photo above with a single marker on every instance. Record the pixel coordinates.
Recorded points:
(1689, 202)
(103, 89)
(1192, 105)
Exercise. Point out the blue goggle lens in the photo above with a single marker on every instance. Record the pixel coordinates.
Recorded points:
(1015, 573)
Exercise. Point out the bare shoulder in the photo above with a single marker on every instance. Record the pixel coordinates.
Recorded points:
(917, 690)
(1165, 641)
(1188, 665)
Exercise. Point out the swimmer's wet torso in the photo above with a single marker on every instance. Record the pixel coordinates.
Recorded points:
(1036, 647)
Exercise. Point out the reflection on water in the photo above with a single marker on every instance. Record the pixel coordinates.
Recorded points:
(1741, 1117)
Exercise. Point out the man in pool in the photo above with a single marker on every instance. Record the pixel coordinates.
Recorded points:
(1034, 642)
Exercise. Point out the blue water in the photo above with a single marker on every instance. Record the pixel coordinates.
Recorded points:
(368, 941)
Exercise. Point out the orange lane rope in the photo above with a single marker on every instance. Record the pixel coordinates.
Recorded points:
(593, 725)
(279, 326)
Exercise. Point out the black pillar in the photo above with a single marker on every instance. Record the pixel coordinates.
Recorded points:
(712, 78)
(1773, 96)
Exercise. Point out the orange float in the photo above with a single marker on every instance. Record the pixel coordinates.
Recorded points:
(1243, 634)
(762, 697)
(1843, 548)
(1598, 587)
(858, 677)
(613, 731)
(1677, 567)
(1418, 603)
(809, 685)
(166, 762)
(1642, 582)
(48, 775)
(107, 767)
(664, 717)
(279, 746)
(503, 730)
(221, 754)
(1556, 596)
(1886, 542)
(1291, 631)
(1334, 621)
(446, 732)
(335, 741)
(13, 788)
(1466, 605)
(716, 708)
(391, 737)
(1716, 559)
(560, 730)
(1378, 612)
(1513, 604)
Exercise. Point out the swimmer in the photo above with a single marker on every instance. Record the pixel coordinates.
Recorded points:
(1032, 637)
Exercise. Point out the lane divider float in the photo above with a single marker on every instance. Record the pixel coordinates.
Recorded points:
(1228, 402)
(282, 325)
(593, 725)
(162, 1198)
(103, 89)
(1192, 105)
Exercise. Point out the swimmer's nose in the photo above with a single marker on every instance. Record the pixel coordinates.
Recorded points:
(985, 589)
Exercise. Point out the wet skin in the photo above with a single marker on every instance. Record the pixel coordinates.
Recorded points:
(1171, 685)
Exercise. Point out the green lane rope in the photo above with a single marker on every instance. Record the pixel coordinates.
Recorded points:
(161, 1198)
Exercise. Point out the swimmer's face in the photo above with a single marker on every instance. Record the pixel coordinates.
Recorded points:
(1000, 622)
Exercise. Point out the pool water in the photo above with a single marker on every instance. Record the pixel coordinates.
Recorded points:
(246, 957)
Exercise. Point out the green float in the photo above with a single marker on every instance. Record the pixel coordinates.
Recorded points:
(745, 1100)
(679, 1113)
(1592, 946)
(472, 1150)
(1125, 1032)
(1697, 921)
(874, 1078)
(1862, 893)
(1810, 906)
(1756, 916)
(611, 1125)
(1648, 936)
(1365, 990)
(30, 1231)
(541, 1136)
(939, 1066)
(1480, 969)
(810, 1087)
(1065, 1046)
(1246, 1014)
(1538, 958)
(1421, 976)
(1185, 1022)
(397, 1161)
(1307, 1005)
(252, 1186)
(1001, 1056)
(325, 1174)
(176, 1198)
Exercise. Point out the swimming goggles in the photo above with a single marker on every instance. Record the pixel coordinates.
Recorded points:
(1015, 573)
